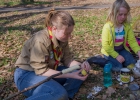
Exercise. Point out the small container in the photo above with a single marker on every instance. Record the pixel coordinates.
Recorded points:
(136, 69)
(136, 72)
(137, 65)
(125, 75)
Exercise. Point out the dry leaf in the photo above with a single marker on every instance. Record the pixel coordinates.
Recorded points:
(116, 86)
(7, 66)
(110, 90)
(132, 97)
(104, 97)
(99, 97)
(94, 72)
(125, 86)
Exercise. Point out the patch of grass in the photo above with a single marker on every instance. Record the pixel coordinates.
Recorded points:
(4, 61)
(136, 23)
(2, 30)
(2, 21)
(36, 2)
(43, 2)
(2, 80)
(135, 19)
(83, 25)
(10, 3)
(87, 23)
(11, 69)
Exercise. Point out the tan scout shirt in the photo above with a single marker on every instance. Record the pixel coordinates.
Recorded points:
(37, 54)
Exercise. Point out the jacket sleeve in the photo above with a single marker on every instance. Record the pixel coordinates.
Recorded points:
(132, 40)
(37, 57)
(67, 56)
(107, 41)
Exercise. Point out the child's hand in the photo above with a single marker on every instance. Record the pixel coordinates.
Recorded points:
(120, 58)
(77, 75)
(85, 65)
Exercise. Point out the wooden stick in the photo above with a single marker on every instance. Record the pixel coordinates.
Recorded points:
(136, 31)
(2, 89)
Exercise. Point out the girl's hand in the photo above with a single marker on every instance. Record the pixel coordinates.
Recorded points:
(77, 75)
(120, 58)
(85, 65)
(139, 54)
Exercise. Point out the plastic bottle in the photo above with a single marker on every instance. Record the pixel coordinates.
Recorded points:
(107, 75)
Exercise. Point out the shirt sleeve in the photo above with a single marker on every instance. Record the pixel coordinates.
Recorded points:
(67, 57)
(37, 57)
(107, 41)
(132, 40)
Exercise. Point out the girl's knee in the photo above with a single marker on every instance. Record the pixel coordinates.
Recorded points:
(63, 95)
(52, 93)
(59, 92)
(116, 68)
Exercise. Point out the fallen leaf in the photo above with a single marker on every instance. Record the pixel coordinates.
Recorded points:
(104, 97)
(110, 90)
(94, 72)
(132, 97)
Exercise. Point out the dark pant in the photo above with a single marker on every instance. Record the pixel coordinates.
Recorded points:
(116, 66)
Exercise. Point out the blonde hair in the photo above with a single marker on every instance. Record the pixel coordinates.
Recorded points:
(59, 19)
(115, 9)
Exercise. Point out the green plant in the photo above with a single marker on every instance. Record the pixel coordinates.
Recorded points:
(4, 61)
(2, 80)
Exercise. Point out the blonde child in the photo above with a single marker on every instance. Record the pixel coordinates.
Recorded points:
(116, 32)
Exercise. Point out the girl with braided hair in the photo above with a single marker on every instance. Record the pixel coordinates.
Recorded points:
(41, 57)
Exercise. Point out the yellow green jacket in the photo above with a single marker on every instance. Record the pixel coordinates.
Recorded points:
(108, 39)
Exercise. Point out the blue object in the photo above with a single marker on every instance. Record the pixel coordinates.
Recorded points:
(99, 60)
(116, 66)
(107, 75)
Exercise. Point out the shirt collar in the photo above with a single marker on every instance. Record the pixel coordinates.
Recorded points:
(55, 41)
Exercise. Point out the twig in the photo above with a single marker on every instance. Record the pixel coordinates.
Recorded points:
(2, 89)
(7, 84)
(31, 87)
(136, 31)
